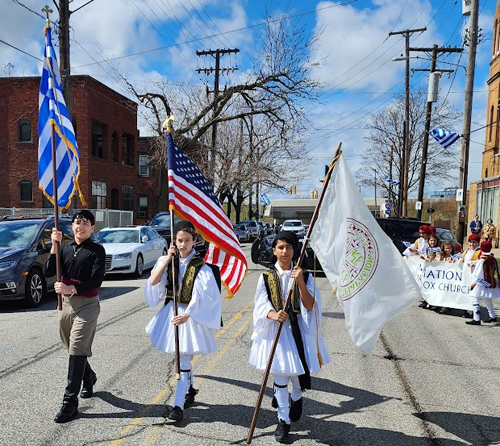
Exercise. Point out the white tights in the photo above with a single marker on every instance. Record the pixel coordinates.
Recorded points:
(186, 380)
(282, 397)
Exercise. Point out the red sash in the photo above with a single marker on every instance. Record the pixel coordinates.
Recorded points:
(89, 293)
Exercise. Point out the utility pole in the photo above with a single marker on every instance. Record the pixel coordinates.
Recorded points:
(469, 91)
(435, 50)
(216, 70)
(403, 192)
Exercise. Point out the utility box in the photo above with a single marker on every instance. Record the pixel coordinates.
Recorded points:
(432, 92)
(466, 7)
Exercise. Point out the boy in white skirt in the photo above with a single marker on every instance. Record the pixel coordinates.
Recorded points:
(300, 349)
(485, 286)
(199, 310)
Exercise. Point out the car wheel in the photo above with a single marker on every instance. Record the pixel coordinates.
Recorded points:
(35, 288)
(139, 266)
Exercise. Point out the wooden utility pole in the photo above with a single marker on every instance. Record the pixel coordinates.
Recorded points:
(421, 184)
(216, 70)
(403, 191)
(469, 91)
(64, 62)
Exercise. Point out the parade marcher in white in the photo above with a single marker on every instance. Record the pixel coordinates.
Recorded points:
(199, 310)
(485, 286)
(300, 349)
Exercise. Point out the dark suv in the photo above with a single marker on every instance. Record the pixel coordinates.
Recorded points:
(161, 224)
(24, 247)
(401, 230)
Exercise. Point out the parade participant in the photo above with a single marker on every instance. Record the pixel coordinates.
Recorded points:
(420, 246)
(476, 225)
(199, 310)
(447, 252)
(82, 271)
(433, 248)
(489, 230)
(471, 255)
(300, 349)
(484, 285)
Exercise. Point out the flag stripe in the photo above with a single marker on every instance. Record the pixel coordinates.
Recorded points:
(444, 137)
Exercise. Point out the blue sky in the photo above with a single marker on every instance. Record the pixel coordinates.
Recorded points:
(147, 39)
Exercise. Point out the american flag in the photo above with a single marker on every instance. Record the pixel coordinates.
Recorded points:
(53, 113)
(192, 198)
(444, 137)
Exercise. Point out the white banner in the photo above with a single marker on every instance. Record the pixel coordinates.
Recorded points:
(442, 284)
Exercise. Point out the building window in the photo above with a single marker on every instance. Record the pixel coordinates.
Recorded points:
(492, 117)
(24, 131)
(143, 165)
(99, 194)
(25, 191)
(46, 204)
(142, 210)
(127, 198)
(127, 149)
(99, 132)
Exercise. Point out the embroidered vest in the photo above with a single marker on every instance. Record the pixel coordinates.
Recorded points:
(272, 281)
(185, 290)
(489, 269)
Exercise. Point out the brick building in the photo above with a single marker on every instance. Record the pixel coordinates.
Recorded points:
(484, 194)
(114, 160)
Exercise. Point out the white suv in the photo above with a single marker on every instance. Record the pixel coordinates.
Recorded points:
(293, 226)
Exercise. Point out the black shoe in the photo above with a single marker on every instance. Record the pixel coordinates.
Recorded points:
(177, 414)
(491, 319)
(190, 394)
(467, 314)
(88, 388)
(295, 410)
(274, 402)
(281, 432)
(443, 311)
(67, 413)
(473, 322)
(424, 305)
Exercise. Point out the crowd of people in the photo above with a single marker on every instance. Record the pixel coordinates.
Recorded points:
(484, 278)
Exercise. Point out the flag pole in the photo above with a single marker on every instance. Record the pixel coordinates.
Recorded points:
(289, 297)
(56, 214)
(167, 128)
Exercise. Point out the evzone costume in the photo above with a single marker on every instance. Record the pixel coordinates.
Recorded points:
(420, 246)
(300, 348)
(199, 297)
(484, 285)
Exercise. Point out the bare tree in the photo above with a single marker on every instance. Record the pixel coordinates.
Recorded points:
(384, 154)
(269, 101)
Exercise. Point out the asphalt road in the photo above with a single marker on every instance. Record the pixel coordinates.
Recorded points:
(432, 380)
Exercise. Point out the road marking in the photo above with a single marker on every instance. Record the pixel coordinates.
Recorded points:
(156, 432)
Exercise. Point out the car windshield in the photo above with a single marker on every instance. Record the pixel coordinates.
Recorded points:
(16, 234)
(119, 236)
(445, 236)
(161, 220)
(292, 223)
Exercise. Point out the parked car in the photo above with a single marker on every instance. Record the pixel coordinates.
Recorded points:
(269, 228)
(445, 235)
(24, 247)
(262, 228)
(293, 225)
(161, 224)
(253, 227)
(242, 232)
(262, 253)
(131, 249)
(400, 230)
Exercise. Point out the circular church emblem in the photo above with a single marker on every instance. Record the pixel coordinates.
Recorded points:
(360, 261)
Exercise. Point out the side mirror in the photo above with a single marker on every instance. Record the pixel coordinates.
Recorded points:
(144, 238)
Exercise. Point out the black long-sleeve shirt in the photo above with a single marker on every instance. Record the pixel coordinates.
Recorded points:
(84, 262)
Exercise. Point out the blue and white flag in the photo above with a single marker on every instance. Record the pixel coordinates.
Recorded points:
(391, 181)
(444, 137)
(54, 114)
(264, 199)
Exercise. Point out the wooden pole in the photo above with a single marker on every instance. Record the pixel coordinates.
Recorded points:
(176, 310)
(56, 213)
(288, 299)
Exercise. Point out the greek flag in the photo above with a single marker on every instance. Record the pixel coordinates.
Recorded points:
(54, 114)
(391, 181)
(264, 199)
(483, 282)
(444, 137)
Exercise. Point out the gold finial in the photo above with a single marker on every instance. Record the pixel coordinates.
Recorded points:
(47, 11)
(166, 126)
